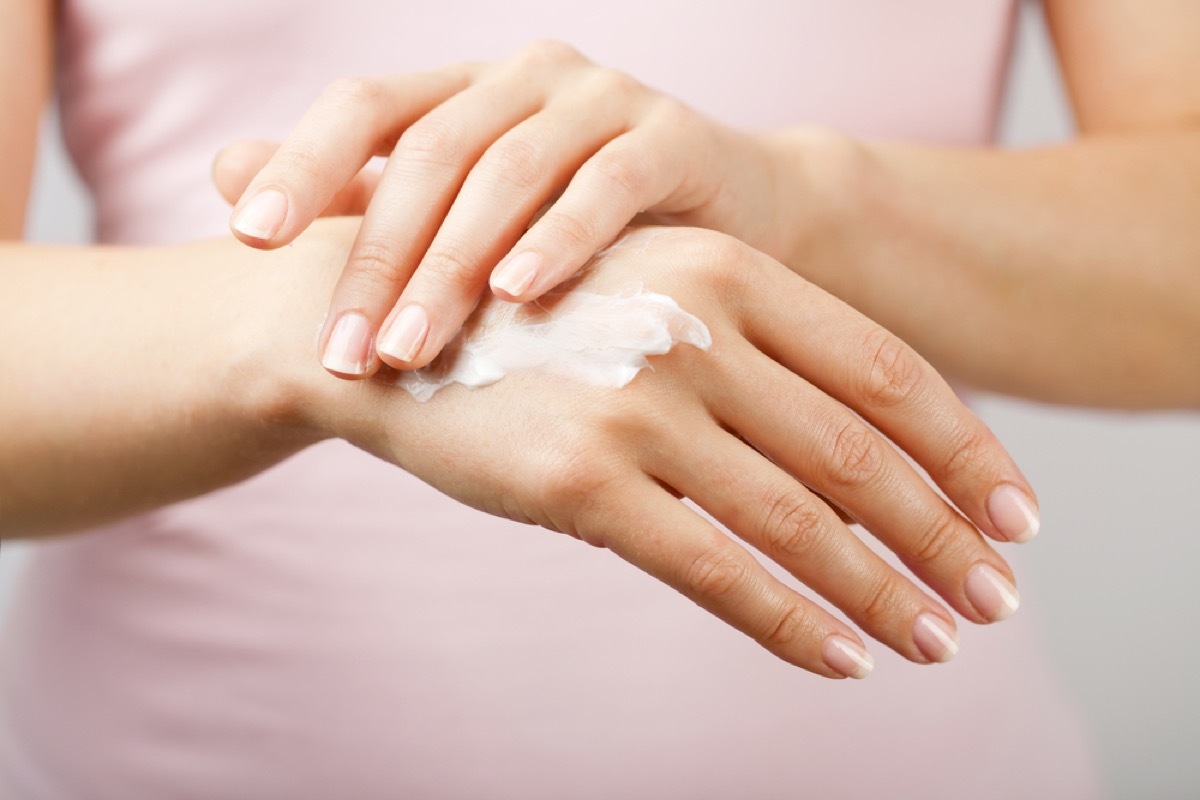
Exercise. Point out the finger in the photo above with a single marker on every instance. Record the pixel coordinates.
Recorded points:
(237, 164)
(889, 384)
(419, 183)
(513, 179)
(666, 539)
(353, 120)
(633, 172)
(839, 455)
(785, 521)
(837, 509)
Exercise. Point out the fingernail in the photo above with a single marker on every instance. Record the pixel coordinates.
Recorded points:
(263, 216)
(406, 334)
(845, 657)
(934, 638)
(517, 274)
(349, 346)
(991, 593)
(1013, 515)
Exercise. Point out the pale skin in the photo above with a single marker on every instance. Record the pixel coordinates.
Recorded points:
(138, 328)
(173, 371)
(1069, 273)
(149, 375)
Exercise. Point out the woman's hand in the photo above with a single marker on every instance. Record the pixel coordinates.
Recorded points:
(474, 152)
(760, 431)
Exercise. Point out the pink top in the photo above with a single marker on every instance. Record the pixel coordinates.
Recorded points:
(336, 629)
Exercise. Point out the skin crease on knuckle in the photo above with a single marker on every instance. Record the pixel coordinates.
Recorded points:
(793, 528)
(447, 272)
(515, 161)
(967, 456)
(623, 173)
(939, 543)
(356, 92)
(793, 625)
(302, 161)
(431, 142)
(717, 573)
(896, 373)
(576, 232)
(881, 604)
(374, 268)
(854, 456)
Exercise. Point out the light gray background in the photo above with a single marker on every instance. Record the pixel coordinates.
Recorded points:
(1114, 572)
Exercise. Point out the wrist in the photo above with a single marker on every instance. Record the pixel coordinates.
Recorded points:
(820, 199)
(271, 372)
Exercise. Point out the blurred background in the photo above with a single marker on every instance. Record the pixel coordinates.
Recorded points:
(1113, 572)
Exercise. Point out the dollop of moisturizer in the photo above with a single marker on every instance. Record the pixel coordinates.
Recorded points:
(599, 339)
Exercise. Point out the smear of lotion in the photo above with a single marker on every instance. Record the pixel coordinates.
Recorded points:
(600, 339)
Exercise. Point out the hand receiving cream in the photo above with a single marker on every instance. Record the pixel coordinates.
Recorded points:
(600, 339)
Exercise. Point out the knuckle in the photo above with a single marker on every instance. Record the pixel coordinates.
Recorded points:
(896, 373)
(855, 455)
(576, 231)
(574, 477)
(793, 527)
(791, 626)
(301, 160)
(518, 162)
(673, 113)
(936, 542)
(615, 82)
(448, 266)
(721, 262)
(716, 573)
(623, 174)
(880, 603)
(431, 140)
(967, 450)
(465, 72)
(360, 91)
(549, 51)
(375, 265)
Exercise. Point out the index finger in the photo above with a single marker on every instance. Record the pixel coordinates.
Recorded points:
(353, 120)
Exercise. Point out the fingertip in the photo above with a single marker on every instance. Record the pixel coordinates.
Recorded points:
(1013, 513)
(846, 657)
(514, 277)
(402, 342)
(369, 372)
(347, 351)
(258, 221)
(992, 594)
(935, 637)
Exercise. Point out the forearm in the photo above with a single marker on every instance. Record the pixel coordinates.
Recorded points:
(132, 378)
(1068, 274)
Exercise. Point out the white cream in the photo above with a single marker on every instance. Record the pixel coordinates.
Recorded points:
(600, 339)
